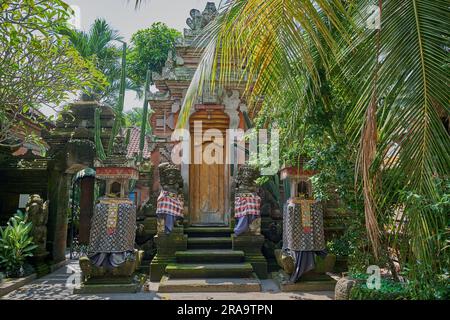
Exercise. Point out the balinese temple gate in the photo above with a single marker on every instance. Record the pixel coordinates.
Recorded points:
(203, 244)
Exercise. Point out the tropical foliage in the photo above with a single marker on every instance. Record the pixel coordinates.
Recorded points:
(149, 50)
(135, 117)
(387, 67)
(100, 46)
(38, 67)
(16, 244)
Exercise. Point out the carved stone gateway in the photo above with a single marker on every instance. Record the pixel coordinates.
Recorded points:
(200, 248)
(71, 150)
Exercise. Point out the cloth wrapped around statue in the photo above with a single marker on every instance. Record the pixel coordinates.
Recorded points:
(246, 209)
(303, 234)
(169, 206)
(113, 232)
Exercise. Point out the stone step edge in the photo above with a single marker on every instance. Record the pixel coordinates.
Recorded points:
(210, 266)
(209, 239)
(213, 252)
(168, 285)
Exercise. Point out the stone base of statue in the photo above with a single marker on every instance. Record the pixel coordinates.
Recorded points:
(252, 244)
(166, 246)
(309, 282)
(145, 241)
(109, 280)
(314, 280)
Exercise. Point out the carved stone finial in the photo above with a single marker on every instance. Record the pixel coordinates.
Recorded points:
(199, 20)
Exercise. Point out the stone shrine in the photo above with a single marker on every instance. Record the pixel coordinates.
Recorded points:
(112, 258)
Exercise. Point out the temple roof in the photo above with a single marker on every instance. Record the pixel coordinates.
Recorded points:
(133, 144)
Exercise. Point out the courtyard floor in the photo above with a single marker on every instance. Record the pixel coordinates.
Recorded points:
(59, 286)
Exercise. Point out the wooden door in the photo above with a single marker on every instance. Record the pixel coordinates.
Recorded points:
(208, 184)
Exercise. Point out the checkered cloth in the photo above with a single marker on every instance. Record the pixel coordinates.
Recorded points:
(246, 204)
(170, 203)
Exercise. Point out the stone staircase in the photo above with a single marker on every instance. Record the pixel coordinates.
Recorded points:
(209, 265)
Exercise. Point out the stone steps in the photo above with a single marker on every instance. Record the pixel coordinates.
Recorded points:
(210, 256)
(208, 231)
(251, 284)
(209, 243)
(205, 270)
(209, 264)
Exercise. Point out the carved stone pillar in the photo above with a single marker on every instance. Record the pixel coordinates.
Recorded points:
(59, 186)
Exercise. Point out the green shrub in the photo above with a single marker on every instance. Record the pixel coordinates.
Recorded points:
(389, 290)
(16, 244)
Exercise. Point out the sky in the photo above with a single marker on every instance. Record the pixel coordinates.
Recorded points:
(122, 16)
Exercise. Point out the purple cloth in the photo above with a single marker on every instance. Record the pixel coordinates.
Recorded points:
(169, 222)
(304, 262)
(243, 224)
(110, 260)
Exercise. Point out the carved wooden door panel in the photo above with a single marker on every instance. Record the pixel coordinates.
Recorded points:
(208, 186)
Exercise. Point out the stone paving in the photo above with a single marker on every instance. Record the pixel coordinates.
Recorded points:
(59, 286)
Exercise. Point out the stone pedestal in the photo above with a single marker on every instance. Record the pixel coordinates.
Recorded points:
(102, 280)
(251, 244)
(166, 246)
(309, 282)
(59, 188)
(145, 241)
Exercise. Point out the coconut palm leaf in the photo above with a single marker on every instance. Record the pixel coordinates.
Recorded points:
(98, 45)
(284, 51)
(261, 43)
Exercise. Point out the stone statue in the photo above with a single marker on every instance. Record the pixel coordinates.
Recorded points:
(170, 203)
(245, 180)
(170, 178)
(37, 211)
(247, 201)
(119, 146)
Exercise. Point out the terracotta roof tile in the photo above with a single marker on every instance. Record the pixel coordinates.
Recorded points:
(133, 145)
